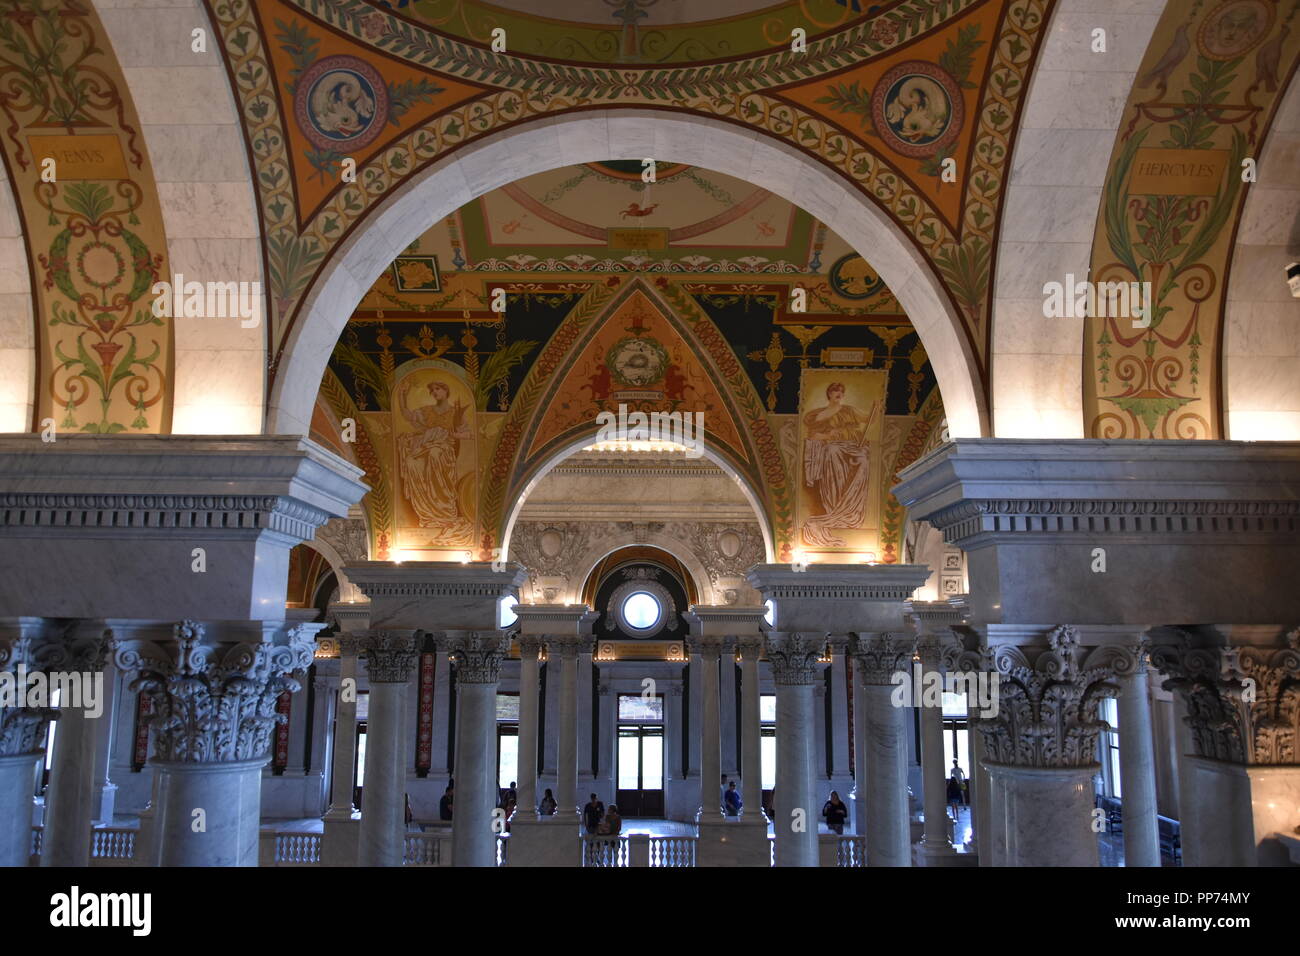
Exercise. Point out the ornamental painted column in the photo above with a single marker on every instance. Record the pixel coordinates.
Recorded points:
(22, 738)
(214, 690)
(1137, 759)
(526, 773)
(795, 669)
(1041, 747)
(390, 661)
(883, 776)
(69, 800)
(751, 730)
(1239, 684)
(477, 655)
(934, 841)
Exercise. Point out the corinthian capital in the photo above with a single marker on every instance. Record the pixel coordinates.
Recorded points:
(794, 656)
(477, 654)
(880, 656)
(1243, 703)
(390, 656)
(1047, 714)
(214, 700)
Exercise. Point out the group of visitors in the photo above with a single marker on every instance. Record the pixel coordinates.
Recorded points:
(599, 820)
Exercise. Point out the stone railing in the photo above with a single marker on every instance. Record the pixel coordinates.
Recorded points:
(425, 849)
(113, 846)
(850, 851)
(672, 850)
(503, 849)
(604, 850)
(297, 849)
(38, 834)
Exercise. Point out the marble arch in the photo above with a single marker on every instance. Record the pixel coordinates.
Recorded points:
(621, 134)
(688, 559)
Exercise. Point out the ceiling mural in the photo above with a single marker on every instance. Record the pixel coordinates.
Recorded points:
(457, 407)
(91, 220)
(1212, 78)
(884, 96)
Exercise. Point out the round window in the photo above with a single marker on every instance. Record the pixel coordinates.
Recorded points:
(641, 610)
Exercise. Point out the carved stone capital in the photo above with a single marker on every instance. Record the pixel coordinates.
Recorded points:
(880, 656)
(710, 646)
(214, 700)
(795, 656)
(750, 646)
(476, 654)
(1243, 703)
(530, 645)
(390, 656)
(349, 644)
(1047, 704)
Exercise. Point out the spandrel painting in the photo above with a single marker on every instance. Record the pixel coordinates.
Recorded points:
(841, 412)
(435, 452)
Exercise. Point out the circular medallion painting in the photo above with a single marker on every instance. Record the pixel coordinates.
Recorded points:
(853, 278)
(917, 109)
(637, 362)
(341, 103)
(1234, 28)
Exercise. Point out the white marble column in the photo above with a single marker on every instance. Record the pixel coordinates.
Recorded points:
(390, 661)
(478, 661)
(69, 800)
(751, 729)
(934, 842)
(883, 776)
(977, 783)
(1041, 770)
(859, 753)
(728, 732)
(526, 774)
(795, 669)
(1189, 799)
(565, 653)
(17, 775)
(1137, 768)
(710, 650)
(103, 800)
(212, 730)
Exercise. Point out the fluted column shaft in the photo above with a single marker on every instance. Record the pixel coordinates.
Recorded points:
(933, 773)
(884, 774)
(566, 782)
(751, 730)
(526, 774)
(345, 731)
(473, 833)
(794, 670)
(710, 734)
(390, 660)
(1137, 772)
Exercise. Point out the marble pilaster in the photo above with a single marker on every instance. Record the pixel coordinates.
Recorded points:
(795, 669)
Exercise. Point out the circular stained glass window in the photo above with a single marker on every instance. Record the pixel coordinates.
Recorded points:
(641, 610)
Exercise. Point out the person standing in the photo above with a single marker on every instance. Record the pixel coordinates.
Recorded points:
(956, 788)
(592, 814)
(836, 812)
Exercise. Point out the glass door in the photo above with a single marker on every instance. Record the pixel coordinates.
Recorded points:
(640, 770)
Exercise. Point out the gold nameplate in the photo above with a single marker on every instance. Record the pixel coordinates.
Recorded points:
(1177, 172)
(81, 157)
(638, 239)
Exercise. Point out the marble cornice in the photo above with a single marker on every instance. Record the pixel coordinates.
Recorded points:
(880, 582)
(158, 484)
